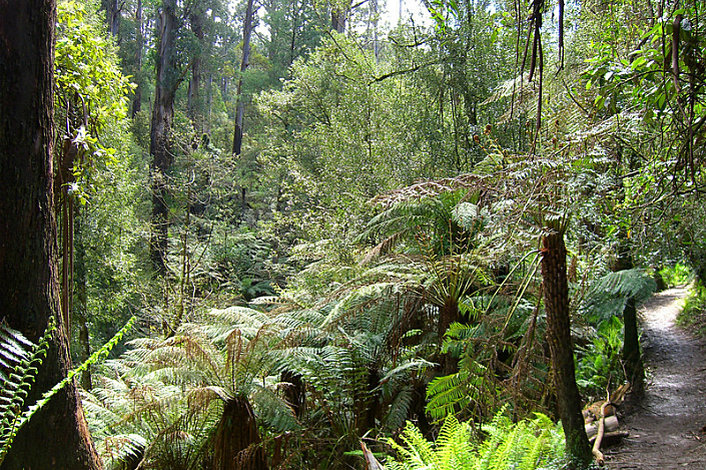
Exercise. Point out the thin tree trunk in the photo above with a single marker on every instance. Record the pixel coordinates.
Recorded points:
(244, 63)
(556, 304)
(57, 436)
(193, 97)
(632, 358)
(137, 99)
(112, 13)
(160, 135)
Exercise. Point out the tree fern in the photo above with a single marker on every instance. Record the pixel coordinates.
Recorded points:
(527, 445)
(609, 294)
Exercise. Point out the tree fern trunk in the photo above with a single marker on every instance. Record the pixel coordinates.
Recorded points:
(556, 303)
(448, 314)
(237, 444)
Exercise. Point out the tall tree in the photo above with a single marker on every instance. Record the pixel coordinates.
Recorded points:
(244, 63)
(196, 18)
(168, 80)
(57, 437)
(139, 43)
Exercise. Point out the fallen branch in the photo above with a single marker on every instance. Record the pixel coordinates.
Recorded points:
(600, 458)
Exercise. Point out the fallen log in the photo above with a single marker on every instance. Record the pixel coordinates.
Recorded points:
(611, 424)
(611, 436)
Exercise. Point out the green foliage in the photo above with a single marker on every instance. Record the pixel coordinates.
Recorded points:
(676, 275)
(527, 445)
(599, 362)
(608, 295)
(16, 386)
(693, 315)
(20, 360)
(91, 92)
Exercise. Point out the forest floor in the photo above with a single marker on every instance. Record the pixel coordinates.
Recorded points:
(667, 427)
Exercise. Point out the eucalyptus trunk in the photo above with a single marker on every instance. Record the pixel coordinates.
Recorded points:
(160, 135)
(244, 63)
(57, 436)
(556, 304)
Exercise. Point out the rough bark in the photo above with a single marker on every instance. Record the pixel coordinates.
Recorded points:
(57, 436)
(237, 444)
(244, 63)
(556, 303)
(160, 135)
(294, 392)
(448, 314)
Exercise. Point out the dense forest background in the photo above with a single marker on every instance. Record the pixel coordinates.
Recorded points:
(326, 227)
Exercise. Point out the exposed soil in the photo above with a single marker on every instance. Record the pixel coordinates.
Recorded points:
(667, 426)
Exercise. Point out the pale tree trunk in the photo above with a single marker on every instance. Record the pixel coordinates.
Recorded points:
(57, 436)
(556, 304)
(160, 135)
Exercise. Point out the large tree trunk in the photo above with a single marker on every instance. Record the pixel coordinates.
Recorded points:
(556, 304)
(244, 63)
(160, 135)
(57, 436)
(237, 444)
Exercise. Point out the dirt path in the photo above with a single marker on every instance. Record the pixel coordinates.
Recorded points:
(666, 428)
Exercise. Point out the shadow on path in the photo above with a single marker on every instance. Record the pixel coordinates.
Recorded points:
(666, 427)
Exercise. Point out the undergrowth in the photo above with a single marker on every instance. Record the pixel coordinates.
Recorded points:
(526, 445)
(676, 275)
(693, 315)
